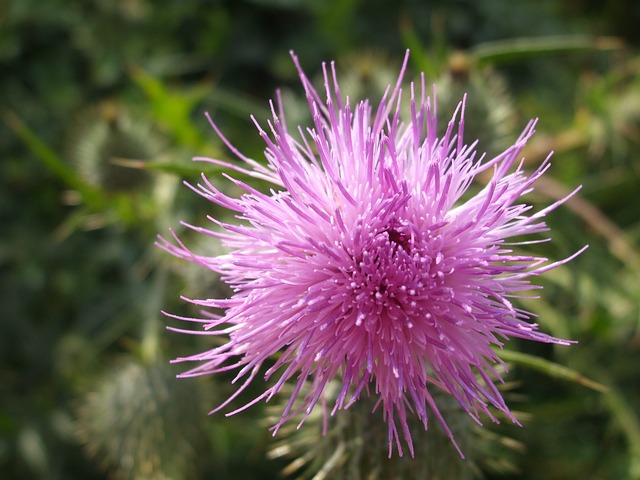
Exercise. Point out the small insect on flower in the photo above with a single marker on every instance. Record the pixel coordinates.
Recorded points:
(366, 265)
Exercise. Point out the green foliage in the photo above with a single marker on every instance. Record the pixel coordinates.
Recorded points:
(142, 422)
(101, 109)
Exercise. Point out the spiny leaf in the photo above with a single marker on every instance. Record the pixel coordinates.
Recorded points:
(173, 109)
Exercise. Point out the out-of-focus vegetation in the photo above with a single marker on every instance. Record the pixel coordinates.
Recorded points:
(101, 109)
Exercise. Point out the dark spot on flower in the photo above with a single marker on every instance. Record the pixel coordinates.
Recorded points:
(400, 239)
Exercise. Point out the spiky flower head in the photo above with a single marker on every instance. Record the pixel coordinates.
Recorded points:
(370, 262)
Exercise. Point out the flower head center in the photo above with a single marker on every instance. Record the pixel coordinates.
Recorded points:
(396, 278)
(399, 238)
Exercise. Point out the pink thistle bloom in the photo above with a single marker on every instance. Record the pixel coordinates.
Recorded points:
(366, 265)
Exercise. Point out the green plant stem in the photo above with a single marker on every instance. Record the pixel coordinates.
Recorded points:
(552, 369)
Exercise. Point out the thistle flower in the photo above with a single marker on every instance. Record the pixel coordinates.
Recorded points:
(370, 262)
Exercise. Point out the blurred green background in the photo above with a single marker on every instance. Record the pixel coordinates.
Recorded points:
(101, 105)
